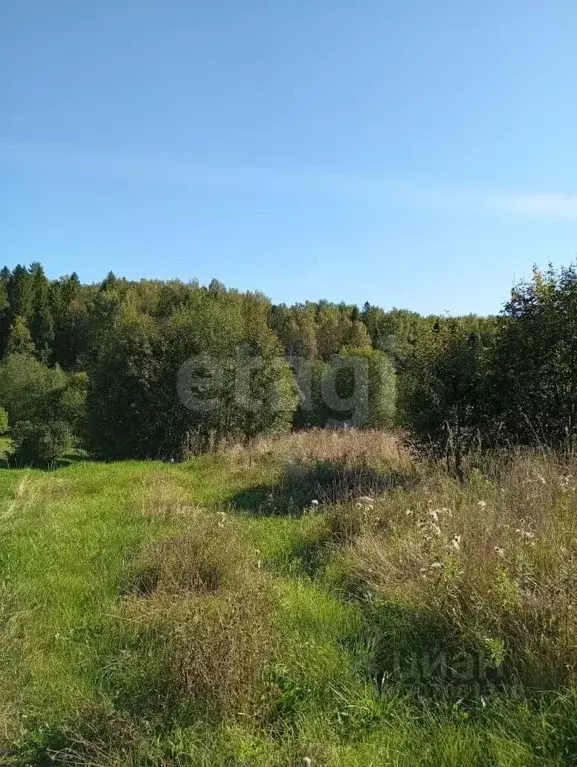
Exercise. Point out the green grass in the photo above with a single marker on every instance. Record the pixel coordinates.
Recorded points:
(93, 673)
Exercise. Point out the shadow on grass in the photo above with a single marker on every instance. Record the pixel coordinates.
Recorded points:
(70, 459)
(325, 482)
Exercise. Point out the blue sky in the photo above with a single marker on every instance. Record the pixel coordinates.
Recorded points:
(415, 154)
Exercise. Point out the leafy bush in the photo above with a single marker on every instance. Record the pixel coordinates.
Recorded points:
(3, 421)
(358, 387)
(213, 373)
(29, 389)
(42, 444)
(45, 406)
(368, 379)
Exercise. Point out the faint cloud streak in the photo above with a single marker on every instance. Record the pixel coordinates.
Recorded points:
(182, 170)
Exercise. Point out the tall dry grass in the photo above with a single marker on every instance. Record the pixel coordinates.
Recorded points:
(369, 446)
(492, 563)
(194, 630)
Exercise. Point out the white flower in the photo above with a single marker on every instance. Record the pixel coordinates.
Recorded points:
(456, 543)
(500, 552)
(366, 500)
(482, 504)
(314, 503)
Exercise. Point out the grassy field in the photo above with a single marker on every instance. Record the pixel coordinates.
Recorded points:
(323, 599)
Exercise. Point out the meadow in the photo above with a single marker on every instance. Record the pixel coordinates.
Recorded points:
(324, 598)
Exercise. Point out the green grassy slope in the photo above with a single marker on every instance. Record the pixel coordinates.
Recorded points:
(255, 643)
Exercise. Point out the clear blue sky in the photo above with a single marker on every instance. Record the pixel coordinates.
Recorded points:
(418, 153)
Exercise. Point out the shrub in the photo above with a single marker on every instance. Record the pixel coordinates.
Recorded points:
(3, 421)
(40, 444)
(44, 407)
(27, 388)
(369, 379)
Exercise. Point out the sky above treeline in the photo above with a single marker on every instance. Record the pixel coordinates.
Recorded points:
(416, 154)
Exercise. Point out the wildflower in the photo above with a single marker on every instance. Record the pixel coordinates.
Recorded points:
(482, 504)
(456, 543)
(314, 503)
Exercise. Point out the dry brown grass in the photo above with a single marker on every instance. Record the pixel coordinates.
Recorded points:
(324, 466)
(163, 498)
(368, 446)
(205, 653)
(207, 558)
(194, 632)
(494, 562)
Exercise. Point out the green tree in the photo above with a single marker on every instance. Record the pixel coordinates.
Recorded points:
(20, 340)
(443, 388)
(211, 371)
(41, 323)
(367, 379)
(533, 383)
(20, 290)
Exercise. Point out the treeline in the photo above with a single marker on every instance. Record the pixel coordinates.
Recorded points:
(160, 369)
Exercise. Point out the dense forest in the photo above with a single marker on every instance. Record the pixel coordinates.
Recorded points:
(162, 369)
